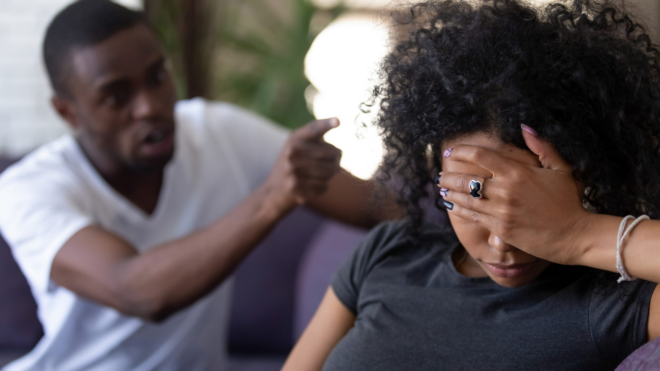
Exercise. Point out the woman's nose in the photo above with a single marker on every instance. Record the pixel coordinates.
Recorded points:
(499, 245)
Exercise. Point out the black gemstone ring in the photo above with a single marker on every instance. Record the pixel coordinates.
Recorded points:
(475, 188)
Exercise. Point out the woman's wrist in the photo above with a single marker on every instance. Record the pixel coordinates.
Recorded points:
(595, 242)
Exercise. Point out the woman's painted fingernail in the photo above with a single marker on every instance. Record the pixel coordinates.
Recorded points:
(447, 152)
(529, 130)
(443, 193)
(448, 205)
(436, 180)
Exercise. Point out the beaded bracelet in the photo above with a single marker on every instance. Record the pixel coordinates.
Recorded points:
(625, 276)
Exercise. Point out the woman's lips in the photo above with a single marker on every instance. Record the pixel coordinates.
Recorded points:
(509, 271)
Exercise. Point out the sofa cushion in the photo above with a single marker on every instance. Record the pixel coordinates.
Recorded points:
(331, 245)
(19, 326)
(256, 363)
(646, 358)
(262, 307)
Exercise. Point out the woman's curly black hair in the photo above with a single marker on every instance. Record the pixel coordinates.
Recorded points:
(583, 74)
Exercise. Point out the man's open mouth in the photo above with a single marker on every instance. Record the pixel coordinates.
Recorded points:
(157, 136)
(159, 142)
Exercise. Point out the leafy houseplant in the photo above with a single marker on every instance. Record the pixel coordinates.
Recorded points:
(248, 52)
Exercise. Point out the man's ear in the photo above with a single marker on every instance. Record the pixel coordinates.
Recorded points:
(66, 110)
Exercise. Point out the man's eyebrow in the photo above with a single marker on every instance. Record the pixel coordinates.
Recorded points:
(110, 85)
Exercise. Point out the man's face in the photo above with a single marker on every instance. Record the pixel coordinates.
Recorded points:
(122, 101)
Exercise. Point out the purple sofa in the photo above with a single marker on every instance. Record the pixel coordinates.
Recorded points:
(19, 327)
(280, 285)
(277, 290)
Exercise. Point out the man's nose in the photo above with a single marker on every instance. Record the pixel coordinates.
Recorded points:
(146, 105)
(499, 245)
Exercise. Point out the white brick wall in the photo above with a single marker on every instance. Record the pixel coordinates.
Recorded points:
(26, 118)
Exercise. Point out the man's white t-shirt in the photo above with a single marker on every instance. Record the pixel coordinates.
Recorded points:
(222, 154)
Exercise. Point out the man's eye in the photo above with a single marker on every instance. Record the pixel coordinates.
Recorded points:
(159, 76)
(115, 99)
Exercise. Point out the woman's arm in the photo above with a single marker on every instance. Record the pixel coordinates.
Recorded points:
(328, 326)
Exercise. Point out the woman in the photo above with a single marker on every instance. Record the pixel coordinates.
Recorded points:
(455, 93)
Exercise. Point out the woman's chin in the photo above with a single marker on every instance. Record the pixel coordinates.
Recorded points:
(515, 276)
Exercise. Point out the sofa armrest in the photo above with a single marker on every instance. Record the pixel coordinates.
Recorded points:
(646, 358)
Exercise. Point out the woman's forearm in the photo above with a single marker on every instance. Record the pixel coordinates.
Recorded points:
(596, 246)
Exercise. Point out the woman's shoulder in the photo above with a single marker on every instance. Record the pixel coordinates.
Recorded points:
(404, 231)
(397, 236)
(617, 311)
(389, 247)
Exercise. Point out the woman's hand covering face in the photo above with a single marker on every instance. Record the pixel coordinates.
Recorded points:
(536, 209)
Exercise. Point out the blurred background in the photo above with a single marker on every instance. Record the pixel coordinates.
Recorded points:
(289, 60)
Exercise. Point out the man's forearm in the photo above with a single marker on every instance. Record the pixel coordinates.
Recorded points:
(176, 274)
(357, 202)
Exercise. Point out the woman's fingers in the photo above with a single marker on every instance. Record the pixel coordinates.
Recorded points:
(471, 209)
(459, 182)
(468, 202)
(548, 156)
(485, 158)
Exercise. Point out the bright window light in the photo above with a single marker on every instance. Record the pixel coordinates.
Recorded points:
(342, 65)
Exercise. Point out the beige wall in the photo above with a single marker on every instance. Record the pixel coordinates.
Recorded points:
(650, 9)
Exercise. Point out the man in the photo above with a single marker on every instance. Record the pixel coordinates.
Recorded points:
(127, 230)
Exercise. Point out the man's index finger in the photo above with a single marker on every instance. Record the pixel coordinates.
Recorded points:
(316, 129)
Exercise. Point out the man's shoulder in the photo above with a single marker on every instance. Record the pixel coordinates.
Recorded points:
(49, 163)
(195, 105)
(200, 111)
(211, 128)
(203, 115)
(200, 121)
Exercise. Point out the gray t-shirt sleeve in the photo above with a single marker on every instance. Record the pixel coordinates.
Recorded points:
(618, 311)
(348, 280)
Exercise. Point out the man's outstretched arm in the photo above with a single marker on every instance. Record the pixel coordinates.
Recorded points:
(102, 267)
(357, 202)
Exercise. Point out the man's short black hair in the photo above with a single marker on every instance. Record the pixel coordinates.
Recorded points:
(81, 24)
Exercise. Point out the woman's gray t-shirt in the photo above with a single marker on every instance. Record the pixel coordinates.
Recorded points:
(416, 312)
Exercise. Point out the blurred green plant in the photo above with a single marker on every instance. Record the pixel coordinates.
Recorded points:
(248, 52)
(187, 28)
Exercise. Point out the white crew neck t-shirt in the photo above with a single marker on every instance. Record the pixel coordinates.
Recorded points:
(222, 154)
